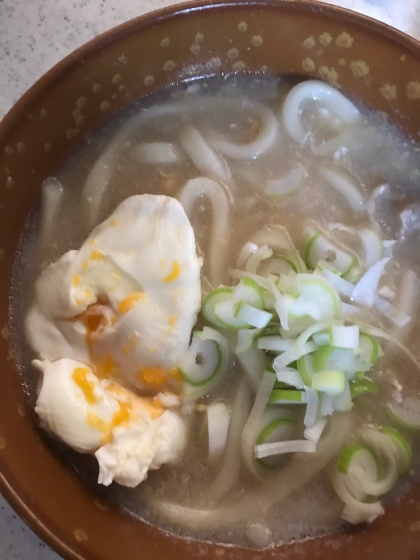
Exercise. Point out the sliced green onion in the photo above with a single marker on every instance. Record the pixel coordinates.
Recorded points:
(368, 352)
(315, 432)
(344, 287)
(319, 247)
(344, 337)
(386, 335)
(406, 414)
(324, 265)
(279, 447)
(252, 316)
(365, 290)
(359, 456)
(343, 402)
(282, 385)
(325, 405)
(332, 358)
(296, 260)
(248, 291)
(285, 396)
(224, 312)
(373, 246)
(331, 382)
(202, 361)
(317, 298)
(269, 299)
(322, 338)
(362, 387)
(245, 339)
(383, 448)
(274, 343)
(301, 346)
(193, 391)
(224, 309)
(280, 306)
(356, 454)
(403, 449)
(311, 413)
(213, 298)
(277, 265)
(278, 430)
(354, 274)
(287, 284)
(297, 327)
(247, 250)
(305, 368)
(262, 253)
(290, 377)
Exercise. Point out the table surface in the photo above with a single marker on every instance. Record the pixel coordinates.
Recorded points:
(34, 36)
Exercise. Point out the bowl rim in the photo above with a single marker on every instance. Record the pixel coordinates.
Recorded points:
(8, 485)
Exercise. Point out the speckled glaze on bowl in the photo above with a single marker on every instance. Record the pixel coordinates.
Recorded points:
(366, 59)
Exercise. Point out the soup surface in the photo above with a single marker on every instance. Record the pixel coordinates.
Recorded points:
(328, 175)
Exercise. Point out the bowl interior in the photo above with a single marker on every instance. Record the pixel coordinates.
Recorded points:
(369, 61)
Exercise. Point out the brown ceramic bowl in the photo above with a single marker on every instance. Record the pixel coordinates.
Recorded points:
(368, 60)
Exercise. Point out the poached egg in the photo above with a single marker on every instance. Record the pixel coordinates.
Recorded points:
(117, 315)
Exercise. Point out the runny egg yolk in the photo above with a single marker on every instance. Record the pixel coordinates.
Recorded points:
(96, 255)
(121, 417)
(105, 367)
(79, 376)
(130, 301)
(152, 375)
(93, 322)
(174, 274)
(174, 373)
(128, 408)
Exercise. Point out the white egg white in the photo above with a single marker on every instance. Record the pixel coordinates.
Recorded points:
(145, 249)
(139, 440)
(118, 313)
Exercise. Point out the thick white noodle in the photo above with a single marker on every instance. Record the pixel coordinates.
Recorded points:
(202, 187)
(99, 176)
(339, 180)
(330, 98)
(261, 144)
(253, 424)
(298, 472)
(156, 152)
(231, 465)
(253, 362)
(273, 236)
(206, 160)
(383, 447)
(355, 511)
(51, 195)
